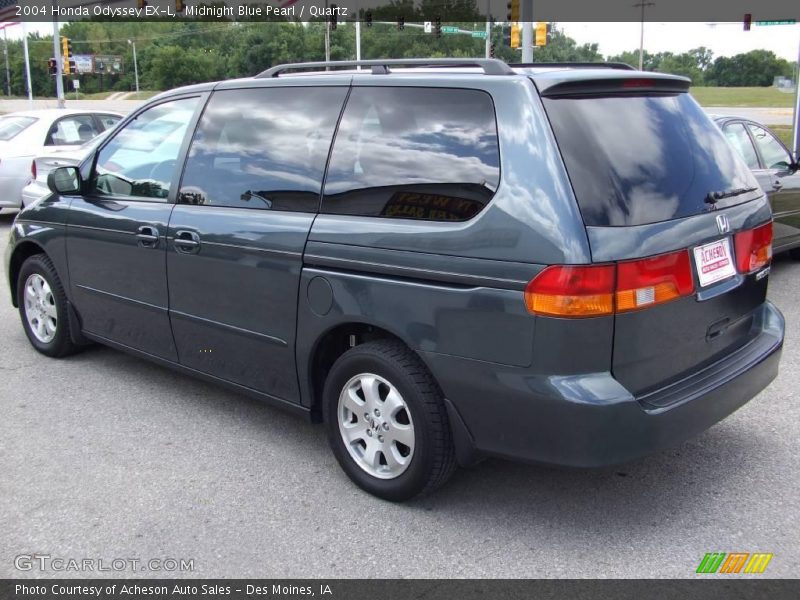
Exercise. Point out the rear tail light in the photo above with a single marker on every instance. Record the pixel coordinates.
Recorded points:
(753, 248)
(597, 290)
(572, 291)
(33, 169)
(654, 280)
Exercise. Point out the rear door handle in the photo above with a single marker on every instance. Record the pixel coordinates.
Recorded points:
(147, 236)
(777, 185)
(187, 242)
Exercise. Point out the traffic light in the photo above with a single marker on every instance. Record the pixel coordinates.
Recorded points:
(516, 36)
(512, 16)
(748, 19)
(507, 35)
(491, 50)
(334, 18)
(66, 54)
(437, 26)
(179, 6)
(51, 66)
(401, 22)
(140, 4)
(541, 33)
(368, 18)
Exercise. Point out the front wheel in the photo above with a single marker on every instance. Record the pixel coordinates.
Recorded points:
(43, 307)
(386, 421)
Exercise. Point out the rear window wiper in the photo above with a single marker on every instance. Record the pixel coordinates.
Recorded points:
(713, 197)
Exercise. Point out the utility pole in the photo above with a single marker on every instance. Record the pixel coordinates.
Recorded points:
(135, 65)
(327, 34)
(641, 5)
(796, 134)
(28, 80)
(488, 50)
(358, 41)
(527, 30)
(8, 71)
(57, 56)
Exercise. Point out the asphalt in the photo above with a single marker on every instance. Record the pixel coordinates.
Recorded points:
(105, 456)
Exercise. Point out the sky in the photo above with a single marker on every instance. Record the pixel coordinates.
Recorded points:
(724, 39)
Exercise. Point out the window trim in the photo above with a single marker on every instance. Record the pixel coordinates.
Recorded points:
(90, 165)
(753, 145)
(763, 164)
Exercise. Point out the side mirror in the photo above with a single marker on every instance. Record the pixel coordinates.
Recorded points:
(64, 180)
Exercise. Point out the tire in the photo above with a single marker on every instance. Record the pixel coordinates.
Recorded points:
(407, 449)
(794, 253)
(48, 328)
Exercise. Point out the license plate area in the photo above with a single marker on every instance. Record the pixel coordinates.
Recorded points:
(714, 262)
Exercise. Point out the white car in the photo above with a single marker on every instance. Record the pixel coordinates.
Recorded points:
(27, 134)
(41, 166)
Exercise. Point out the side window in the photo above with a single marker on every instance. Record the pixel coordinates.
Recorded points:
(772, 151)
(108, 121)
(141, 159)
(262, 148)
(414, 153)
(75, 129)
(740, 140)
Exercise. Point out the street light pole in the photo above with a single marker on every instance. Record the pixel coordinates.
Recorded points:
(57, 56)
(135, 65)
(642, 4)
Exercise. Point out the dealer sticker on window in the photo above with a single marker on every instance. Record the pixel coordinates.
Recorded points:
(714, 262)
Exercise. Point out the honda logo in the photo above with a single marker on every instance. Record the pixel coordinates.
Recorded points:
(723, 224)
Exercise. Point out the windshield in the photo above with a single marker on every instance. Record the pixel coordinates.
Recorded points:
(635, 160)
(11, 126)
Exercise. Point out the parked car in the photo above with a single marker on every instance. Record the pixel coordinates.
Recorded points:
(27, 134)
(42, 165)
(563, 265)
(776, 170)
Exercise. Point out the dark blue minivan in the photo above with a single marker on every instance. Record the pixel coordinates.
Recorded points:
(441, 260)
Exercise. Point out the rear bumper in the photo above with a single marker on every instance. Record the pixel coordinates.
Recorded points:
(591, 420)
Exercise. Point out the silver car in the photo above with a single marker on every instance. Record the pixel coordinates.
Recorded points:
(28, 134)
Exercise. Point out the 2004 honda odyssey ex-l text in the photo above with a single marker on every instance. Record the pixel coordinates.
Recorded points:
(441, 262)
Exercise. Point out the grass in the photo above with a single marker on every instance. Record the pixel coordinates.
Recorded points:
(784, 132)
(142, 95)
(94, 96)
(767, 97)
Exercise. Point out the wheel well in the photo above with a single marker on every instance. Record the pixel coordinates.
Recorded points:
(331, 346)
(21, 253)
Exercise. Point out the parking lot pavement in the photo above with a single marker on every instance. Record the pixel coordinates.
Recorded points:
(106, 456)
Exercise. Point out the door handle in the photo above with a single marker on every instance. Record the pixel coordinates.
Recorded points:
(777, 185)
(187, 242)
(147, 236)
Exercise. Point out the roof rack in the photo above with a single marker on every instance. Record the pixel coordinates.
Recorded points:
(490, 66)
(580, 65)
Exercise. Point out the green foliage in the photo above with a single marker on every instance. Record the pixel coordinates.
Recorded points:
(172, 54)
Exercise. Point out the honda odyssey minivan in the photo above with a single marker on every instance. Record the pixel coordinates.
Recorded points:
(442, 260)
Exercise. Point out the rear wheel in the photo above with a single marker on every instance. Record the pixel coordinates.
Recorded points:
(43, 307)
(386, 421)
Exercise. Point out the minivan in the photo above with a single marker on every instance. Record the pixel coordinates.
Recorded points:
(441, 260)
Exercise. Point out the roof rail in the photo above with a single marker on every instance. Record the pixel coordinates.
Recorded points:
(580, 65)
(490, 66)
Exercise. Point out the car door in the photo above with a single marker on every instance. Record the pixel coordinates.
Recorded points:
(116, 232)
(71, 131)
(782, 184)
(248, 197)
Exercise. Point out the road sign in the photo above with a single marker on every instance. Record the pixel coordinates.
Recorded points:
(479, 34)
(427, 26)
(784, 22)
(449, 29)
(76, 84)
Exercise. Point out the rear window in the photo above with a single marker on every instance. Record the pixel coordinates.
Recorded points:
(414, 153)
(11, 126)
(635, 160)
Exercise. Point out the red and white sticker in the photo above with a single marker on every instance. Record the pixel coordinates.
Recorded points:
(714, 262)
